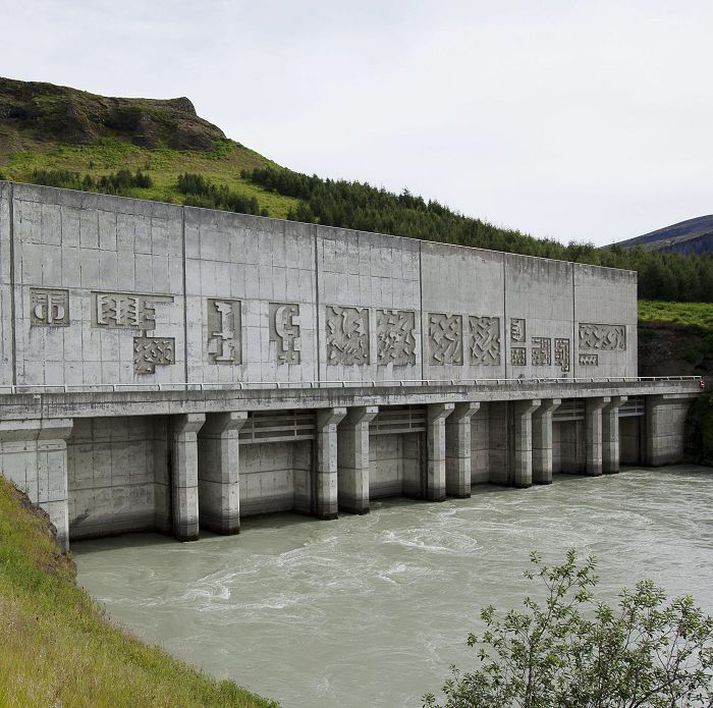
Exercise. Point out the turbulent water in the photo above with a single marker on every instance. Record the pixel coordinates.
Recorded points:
(370, 611)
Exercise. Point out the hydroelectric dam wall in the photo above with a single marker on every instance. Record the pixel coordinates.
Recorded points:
(172, 368)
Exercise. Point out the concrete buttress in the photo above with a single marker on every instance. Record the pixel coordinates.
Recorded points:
(610, 435)
(325, 463)
(520, 442)
(353, 460)
(593, 434)
(218, 472)
(542, 441)
(435, 481)
(458, 449)
(184, 474)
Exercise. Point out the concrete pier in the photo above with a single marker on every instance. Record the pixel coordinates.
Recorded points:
(218, 472)
(610, 434)
(184, 475)
(435, 487)
(325, 464)
(520, 442)
(459, 449)
(593, 434)
(353, 460)
(542, 441)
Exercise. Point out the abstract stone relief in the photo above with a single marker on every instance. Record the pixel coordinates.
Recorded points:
(285, 332)
(445, 339)
(562, 358)
(49, 307)
(484, 341)
(541, 351)
(589, 359)
(395, 337)
(602, 337)
(224, 344)
(518, 356)
(347, 336)
(150, 352)
(125, 311)
(517, 330)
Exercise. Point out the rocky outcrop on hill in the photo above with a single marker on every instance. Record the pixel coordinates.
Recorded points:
(52, 113)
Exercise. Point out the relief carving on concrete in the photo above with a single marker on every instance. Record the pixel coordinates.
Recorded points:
(602, 337)
(517, 330)
(124, 311)
(518, 356)
(589, 359)
(562, 358)
(49, 307)
(484, 341)
(347, 336)
(541, 351)
(224, 344)
(150, 352)
(445, 339)
(395, 337)
(285, 332)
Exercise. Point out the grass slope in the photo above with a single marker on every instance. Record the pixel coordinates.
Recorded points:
(57, 649)
(692, 314)
(675, 338)
(221, 165)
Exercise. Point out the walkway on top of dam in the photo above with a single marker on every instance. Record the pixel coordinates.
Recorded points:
(162, 398)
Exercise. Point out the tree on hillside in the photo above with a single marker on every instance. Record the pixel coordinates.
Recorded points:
(572, 652)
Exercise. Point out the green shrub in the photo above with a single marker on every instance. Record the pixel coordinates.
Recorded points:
(573, 652)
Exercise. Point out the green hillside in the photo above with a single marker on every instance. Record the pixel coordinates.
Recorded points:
(59, 650)
(161, 149)
(53, 128)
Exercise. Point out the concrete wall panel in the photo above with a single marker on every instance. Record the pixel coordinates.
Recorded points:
(605, 322)
(97, 286)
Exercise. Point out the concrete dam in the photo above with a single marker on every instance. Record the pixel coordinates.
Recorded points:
(172, 368)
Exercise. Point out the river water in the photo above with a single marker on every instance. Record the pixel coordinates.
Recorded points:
(371, 610)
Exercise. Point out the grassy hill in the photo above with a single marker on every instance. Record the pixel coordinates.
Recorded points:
(58, 650)
(675, 338)
(44, 127)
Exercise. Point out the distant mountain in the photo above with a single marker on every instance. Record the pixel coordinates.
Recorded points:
(687, 237)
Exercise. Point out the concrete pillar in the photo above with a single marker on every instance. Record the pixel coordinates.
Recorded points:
(435, 480)
(184, 474)
(218, 472)
(593, 434)
(665, 429)
(610, 435)
(34, 459)
(52, 467)
(542, 441)
(353, 460)
(458, 455)
(520, 442)
(325, 502)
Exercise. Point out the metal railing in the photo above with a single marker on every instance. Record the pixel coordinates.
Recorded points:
(279, 385)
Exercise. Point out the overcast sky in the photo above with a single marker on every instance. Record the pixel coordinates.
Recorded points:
(573, 120)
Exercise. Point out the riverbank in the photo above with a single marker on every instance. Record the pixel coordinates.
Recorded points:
(58, 649)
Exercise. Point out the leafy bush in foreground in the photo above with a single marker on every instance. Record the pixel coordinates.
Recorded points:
(573, 652)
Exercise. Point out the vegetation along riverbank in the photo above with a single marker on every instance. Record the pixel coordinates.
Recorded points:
(58, 649)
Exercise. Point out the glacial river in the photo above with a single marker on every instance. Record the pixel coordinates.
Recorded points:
(370, 611)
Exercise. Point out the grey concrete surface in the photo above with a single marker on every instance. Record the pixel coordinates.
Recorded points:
(177, 368)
